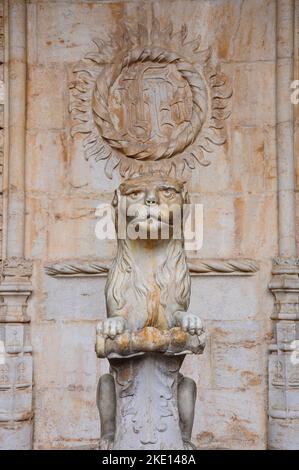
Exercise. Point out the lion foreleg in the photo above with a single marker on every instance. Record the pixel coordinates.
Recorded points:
(106, 402)
(186, 407)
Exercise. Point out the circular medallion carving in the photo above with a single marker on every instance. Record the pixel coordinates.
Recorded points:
(149, 97)
(150, 104)
(150, 88)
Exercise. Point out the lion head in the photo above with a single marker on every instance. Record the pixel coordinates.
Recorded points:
(150, 207)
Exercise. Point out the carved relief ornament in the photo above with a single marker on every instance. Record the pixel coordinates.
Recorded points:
(149, 99)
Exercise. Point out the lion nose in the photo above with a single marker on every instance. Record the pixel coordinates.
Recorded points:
(150, 199)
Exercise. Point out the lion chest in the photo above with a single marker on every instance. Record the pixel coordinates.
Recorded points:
(155, 311)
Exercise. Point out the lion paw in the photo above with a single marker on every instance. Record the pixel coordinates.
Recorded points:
(190, 323)
(111, 327)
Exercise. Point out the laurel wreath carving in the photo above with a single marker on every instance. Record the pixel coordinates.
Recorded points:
(189, 144)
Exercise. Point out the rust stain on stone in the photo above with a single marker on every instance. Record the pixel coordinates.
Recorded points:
(239, 206)
(117, 11)
(251, 378)
(240, 432)
(223, 48)
(64, 149)
(219, 331)
(205, 437)
(153, 302)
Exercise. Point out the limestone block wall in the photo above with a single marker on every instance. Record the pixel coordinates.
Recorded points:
(239, 196)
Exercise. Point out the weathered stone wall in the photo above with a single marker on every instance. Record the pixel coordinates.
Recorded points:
(238, 191)
(51, 193)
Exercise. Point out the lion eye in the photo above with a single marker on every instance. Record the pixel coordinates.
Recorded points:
(135, 194)
(168, 193)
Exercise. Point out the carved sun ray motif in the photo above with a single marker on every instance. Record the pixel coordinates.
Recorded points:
(149, 100)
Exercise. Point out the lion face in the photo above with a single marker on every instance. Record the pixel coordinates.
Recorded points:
(151, 206)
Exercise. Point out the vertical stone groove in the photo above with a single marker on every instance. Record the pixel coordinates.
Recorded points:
(285, 127)
(17, 50)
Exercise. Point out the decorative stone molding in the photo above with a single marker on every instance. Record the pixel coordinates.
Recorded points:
(285, 266)
(285, 262)
(75, 268)
(197, 267)
(149, 98)
(284, 286)
(17, 268)
(236, 267)
(15, 289)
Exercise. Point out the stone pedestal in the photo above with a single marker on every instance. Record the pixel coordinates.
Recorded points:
(146, 388)
(147, 414)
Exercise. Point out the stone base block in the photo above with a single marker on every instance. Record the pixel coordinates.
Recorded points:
(284, 434)
(16, 435)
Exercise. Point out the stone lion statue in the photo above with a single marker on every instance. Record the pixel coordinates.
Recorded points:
(149, 283)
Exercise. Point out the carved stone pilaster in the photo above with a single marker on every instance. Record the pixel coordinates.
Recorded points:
(283, 363)
(15, 287)
(284, 360)
(16, 357)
